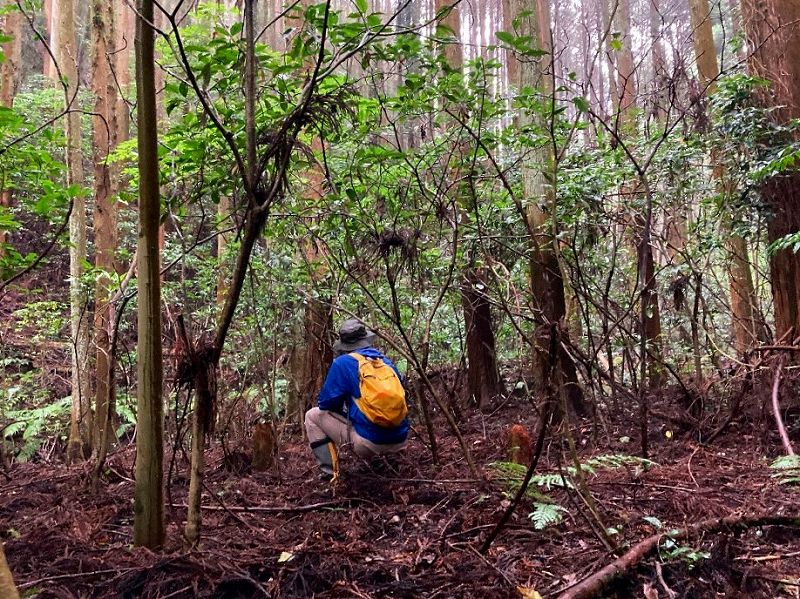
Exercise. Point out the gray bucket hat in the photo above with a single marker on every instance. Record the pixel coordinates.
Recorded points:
(353, 334)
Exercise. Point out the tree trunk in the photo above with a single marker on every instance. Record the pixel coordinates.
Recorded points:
(53, 23)
(660, 78)
(773, 32)
(626, 70)
(310, 366)
(223, 218)
(105, 212)
(747, 328)
(11, 24)
(483, 376)
(703, 35)
(148, 523)
(81, 415)
(546, 277)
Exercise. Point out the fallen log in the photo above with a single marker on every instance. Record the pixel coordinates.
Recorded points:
(595, 584)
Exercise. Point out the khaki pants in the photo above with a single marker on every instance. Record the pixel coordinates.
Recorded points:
(322, 425)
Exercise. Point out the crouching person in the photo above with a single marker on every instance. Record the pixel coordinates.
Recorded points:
(362, 403)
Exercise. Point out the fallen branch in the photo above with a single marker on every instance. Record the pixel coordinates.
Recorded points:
(274, 509)
(595, 584)
(776, 410)
(38, 581)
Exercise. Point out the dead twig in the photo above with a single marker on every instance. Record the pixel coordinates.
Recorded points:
(776, 409)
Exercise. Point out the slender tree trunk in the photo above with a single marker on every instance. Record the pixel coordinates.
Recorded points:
(9, 81)
(223, 218)
(546, 277)
(52, 16)
(124, 31)
(148, 523)
(81, 415)
(105, 212)
(660, 79)
(626, 71)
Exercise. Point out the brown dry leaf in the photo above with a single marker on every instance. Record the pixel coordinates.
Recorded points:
(528, 593)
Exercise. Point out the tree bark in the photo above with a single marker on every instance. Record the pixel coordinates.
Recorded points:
(772, 28)
(626, 70)
(546, 277)
(105, 212)
(148, 524)
(52, 22)
(81, 415)
(9, 82)
(483, 375)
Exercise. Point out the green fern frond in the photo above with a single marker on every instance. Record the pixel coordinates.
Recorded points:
(786, 462)
(546, 514)
(787, 469)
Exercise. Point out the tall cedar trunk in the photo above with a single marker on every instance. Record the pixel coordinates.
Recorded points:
(53, 21)
(772, 28)
(626, 71)
(81, 416)
(148, 525)
(611, 55)
(9, 81)
(747, 327)
(547, 281)
(105, 213)
(660, 79)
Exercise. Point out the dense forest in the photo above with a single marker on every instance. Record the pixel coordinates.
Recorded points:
(571, 225)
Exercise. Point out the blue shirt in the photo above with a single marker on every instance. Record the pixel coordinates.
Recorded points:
(342, 386)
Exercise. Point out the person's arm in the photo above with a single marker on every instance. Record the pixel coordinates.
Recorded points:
(335, 390)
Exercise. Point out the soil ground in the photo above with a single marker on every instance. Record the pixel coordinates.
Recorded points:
(408, 533)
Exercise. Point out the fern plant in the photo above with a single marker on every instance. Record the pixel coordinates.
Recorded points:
(546, 512)
(787, 469)
(35, 425)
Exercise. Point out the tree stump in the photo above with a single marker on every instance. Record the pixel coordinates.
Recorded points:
(263, 446)
(519, 445)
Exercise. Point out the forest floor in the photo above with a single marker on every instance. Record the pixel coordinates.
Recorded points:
(410, 533)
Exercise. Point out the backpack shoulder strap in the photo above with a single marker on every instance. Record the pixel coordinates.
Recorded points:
(357, 357)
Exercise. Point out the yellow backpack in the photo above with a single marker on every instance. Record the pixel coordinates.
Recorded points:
(383, 399)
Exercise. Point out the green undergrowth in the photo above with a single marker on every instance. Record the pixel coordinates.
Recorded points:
(545, 510)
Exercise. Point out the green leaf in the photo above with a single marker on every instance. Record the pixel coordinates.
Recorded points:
(581, 103)
(506, 37)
